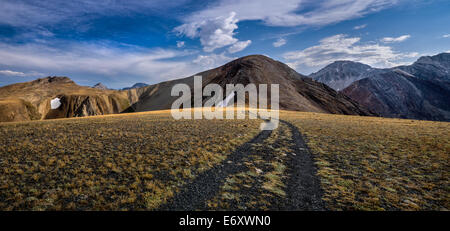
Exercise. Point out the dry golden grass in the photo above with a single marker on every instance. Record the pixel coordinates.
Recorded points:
(368, 163)
(138, 161)
(116, 162)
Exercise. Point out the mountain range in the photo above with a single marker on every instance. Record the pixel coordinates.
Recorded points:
(32, 100)
(417, 91)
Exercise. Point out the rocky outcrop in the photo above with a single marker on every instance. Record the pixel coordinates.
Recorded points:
(83, 105)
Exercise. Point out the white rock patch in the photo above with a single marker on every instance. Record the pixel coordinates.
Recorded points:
(55, 103)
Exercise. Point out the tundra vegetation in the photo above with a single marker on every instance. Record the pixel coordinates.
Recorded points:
(139, 161)
(369, 163)
(116, 162)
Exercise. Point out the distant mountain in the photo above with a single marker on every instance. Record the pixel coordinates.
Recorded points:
(297, 92)
(136, 85)
(340, 74)
(100, 86)
(418, 91)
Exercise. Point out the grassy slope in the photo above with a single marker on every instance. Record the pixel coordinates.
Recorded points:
(372, 163)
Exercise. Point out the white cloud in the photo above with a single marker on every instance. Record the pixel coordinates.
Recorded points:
(20, 73)
(446, 36)
(280, 42)
(360, 27)
(342, 47)
(180, 44)
(11, 73)
(212, 60)
(216, 24)
(239, 46)
(395, 39)
(214, 33)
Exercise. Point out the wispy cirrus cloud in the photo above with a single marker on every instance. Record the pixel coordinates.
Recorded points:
(11, 73)
(28, 13)
(239, 46)
(395, 39)
(292, 12)
(342, 47)
(280, 42)
(89, 60)
(360, 27)
(20, 73)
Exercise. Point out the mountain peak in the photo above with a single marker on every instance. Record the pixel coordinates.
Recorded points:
(100, 86)
(252, 60)
(340, 74)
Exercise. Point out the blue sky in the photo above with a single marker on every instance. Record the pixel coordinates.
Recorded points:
(120, 43)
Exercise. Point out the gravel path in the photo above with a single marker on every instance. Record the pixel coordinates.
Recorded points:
(302, 188)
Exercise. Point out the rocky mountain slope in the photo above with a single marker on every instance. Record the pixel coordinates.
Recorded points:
(31, 100)
(434, 68)
(418, 91)
(297, 92)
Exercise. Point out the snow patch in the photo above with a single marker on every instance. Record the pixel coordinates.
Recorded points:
(403, 72)
(55, 103)
(225, 102)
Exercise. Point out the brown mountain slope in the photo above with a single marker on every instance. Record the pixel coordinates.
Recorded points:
(31, 100)
(297, 92)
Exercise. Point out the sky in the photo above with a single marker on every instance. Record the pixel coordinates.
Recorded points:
(119, 43)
